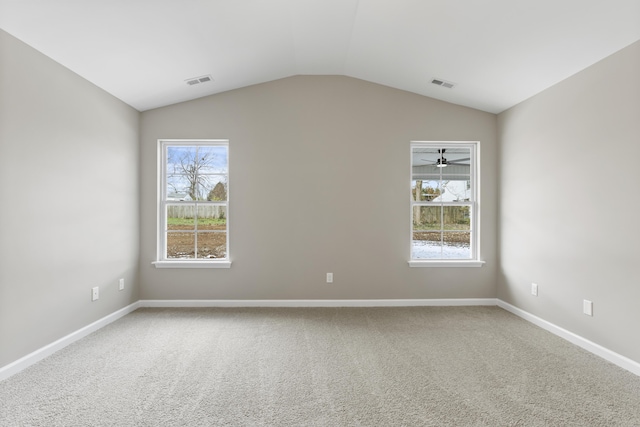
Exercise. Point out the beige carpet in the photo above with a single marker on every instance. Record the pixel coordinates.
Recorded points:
(419, 366)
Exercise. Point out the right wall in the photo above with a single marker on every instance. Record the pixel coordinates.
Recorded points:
(570, 203)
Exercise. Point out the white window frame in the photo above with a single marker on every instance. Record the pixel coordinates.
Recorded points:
(474, 203)
(162, 201)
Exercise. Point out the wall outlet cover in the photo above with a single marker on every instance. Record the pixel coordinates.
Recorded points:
(587, 307)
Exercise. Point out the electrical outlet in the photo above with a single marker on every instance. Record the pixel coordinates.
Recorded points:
(329, 277)
(534, 289)
(95, 293)
(587, 307)
(121, 284)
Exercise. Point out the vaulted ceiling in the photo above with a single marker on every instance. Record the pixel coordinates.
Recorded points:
(496, 52)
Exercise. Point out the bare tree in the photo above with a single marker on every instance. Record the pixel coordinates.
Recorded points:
(190, 165)
(423, 193)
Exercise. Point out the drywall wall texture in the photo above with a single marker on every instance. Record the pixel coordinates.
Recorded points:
(69, 201)
(569, 185)
(319, 182)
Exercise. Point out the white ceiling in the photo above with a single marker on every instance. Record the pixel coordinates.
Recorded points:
(498, 52)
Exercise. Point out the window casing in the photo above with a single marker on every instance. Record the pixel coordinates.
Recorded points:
(193, 206)
(444, 204)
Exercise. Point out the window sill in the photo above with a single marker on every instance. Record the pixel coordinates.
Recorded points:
(443, 263)
(192, 264)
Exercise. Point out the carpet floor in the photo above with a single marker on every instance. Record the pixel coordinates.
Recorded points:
(408, 366)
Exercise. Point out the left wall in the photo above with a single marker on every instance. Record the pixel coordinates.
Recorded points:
(68, 201)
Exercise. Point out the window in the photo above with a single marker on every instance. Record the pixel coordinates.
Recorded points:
(444, 204)
(194, 204)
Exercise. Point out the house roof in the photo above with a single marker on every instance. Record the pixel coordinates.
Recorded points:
(496, 52)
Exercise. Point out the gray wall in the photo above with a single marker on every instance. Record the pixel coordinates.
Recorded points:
(69, 191)
(569, 202)
(319, 182)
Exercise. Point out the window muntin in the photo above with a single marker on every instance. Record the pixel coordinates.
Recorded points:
(194, 186)
(444, 201)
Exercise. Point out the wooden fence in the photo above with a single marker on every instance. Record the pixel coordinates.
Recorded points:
(429, 215)
(203, 211)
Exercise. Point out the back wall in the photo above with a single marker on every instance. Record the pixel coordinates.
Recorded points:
(319, 182)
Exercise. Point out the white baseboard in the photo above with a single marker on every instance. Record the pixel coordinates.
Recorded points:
(590, 346)
(320, 303)
(36, 356)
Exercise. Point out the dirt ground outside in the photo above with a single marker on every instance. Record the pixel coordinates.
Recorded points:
(212, 242)
(447, 237)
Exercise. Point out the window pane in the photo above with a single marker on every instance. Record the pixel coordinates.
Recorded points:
(428, 189)
(212, 159)
(179, 158)
(456, 217)
(431, 245)
(427, 218)
(457, 160)
(180, 217)
(426, 245)
(212, 245)
(213, 187)
(456, 190)
(181, 245)
(425, 155)
(212, 217)
(179, 188)
(441, 160)
(456, 245)
(188, 170)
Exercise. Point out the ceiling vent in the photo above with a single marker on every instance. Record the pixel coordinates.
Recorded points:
(443, 83)
(197, 80)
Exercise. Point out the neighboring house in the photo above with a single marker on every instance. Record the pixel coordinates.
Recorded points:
(453, 191)
(178, 197)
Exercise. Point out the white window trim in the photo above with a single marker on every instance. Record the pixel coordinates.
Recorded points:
(193, 264)
(446, 263)
(475, 260)
(161, 261)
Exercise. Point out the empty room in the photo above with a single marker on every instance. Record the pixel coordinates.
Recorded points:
(319, 213)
